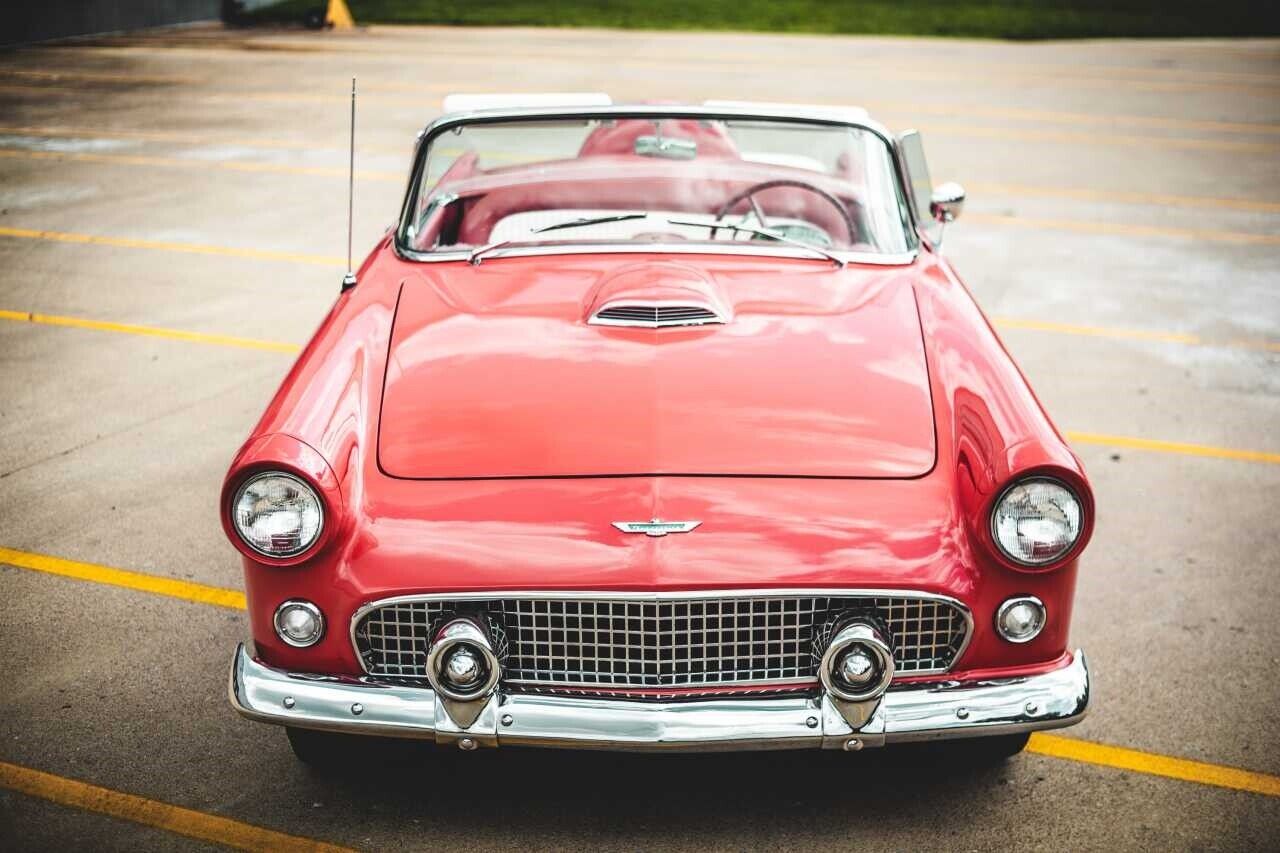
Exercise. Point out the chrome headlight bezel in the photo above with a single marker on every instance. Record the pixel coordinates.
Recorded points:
(305, 488)
(1056, 559)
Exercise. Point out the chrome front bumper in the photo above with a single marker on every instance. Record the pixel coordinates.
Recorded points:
(907, 713)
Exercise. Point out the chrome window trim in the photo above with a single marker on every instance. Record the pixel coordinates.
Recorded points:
(863, 258)
(680, 595)
(835, 118)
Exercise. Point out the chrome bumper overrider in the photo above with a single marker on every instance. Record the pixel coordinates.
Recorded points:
(907, 713)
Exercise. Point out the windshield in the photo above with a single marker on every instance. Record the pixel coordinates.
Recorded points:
(657, 179)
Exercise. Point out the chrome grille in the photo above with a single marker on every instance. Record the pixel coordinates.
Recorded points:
(658, 641)
(655, 315)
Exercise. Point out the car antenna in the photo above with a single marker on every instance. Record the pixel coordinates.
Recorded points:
(349, 280)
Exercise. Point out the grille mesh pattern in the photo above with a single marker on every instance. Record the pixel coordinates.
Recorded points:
(678, 642)
(656, 315)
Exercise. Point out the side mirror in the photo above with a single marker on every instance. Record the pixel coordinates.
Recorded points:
(947, 202)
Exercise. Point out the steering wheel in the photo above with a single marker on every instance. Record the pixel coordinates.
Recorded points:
(750, 192)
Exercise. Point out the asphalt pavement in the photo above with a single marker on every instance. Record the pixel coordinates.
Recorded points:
(172, 223)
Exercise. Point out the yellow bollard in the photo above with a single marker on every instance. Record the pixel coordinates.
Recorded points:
(339, 16)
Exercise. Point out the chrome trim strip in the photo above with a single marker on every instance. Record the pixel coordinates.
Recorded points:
(864, 258)
(910, 713)
(677, 595)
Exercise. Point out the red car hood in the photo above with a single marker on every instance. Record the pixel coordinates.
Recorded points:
(495, 371)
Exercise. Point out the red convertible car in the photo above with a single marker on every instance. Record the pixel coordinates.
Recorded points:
(659, 428)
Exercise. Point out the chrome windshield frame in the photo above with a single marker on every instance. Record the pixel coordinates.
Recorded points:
(835, 117)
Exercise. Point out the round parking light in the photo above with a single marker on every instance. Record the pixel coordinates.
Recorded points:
(1020, 620)
(299, 623)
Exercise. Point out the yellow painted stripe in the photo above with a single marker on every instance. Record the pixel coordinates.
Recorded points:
(149, 331)
(96, 76)
(56, 131)
(1152, 764)
(1127, 229)
(1109, 120)
(1103, 332)
(1177, 447)
(171, 587)
(1149, 444)
(285, 347)
(1270, 346)
(1123, 140)
(1156, 199)
(1059, 747)
(164, 246)
(223, 97)
(154, 813)
(195, 163)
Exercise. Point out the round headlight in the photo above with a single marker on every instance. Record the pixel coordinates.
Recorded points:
(277, 514)
(1036, 521)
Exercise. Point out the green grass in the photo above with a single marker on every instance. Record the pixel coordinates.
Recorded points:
(1007, 19)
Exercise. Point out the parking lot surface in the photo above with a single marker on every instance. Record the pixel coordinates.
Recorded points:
(172, 227)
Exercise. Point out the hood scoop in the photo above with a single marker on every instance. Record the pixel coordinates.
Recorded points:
(655, 315)
(656, 295)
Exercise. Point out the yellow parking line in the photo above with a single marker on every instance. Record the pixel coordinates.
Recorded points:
(1152, 764)
(224, 97)
(1124, 140)
(1014, 323)
(1174, 447)
(1149, 444)
(1103, 332)
(199, 139)
(1160, 199)
(1110, 120)
(96, 76)
(195, 163)
(171, 587)
(164, 246)
(149, 331)
(154, 813)
(1127, 229)
(1028, 190)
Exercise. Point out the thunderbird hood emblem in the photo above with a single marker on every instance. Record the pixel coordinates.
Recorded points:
(656, 527)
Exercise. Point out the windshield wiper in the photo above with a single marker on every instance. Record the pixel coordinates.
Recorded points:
(597, 220)
(763, 232)
(480, 251)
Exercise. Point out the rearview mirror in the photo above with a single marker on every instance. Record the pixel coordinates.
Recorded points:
(670, 147)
